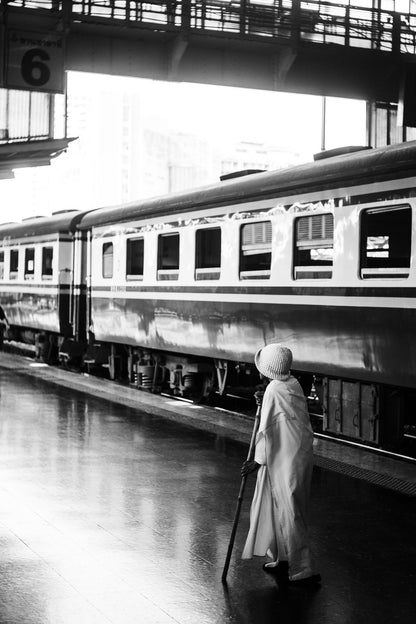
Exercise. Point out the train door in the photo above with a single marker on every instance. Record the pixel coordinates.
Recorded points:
(65, 284)
(79, 296)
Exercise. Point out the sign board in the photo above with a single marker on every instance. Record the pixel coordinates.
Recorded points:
(35, 61)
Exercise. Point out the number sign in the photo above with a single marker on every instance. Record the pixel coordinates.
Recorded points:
(35, 61)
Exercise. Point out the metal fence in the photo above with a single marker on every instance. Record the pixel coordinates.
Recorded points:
(385, 25)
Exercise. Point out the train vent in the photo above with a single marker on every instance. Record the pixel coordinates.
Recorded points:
(58, 212)
(340, 151)
(315, 228)
(33, 218)
(240, 174)
(257, 234)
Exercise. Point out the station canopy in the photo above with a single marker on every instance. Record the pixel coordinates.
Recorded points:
(17, 154)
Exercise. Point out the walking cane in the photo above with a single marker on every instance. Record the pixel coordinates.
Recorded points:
(240, 497)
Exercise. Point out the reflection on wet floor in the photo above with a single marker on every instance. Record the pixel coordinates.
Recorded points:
(111, 515)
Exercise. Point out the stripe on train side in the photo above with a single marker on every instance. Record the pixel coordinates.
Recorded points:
(348, 297)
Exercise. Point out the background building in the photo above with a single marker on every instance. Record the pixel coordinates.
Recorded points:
(155, 138)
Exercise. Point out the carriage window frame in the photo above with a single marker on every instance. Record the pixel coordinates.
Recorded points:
(256, 256)
(47, 262)
(14, 263)
(313, 248)
(208, 253)
(30, 254)
(2, 264)
(389, 257)
(107, 260)
(168, 256)
(130, 243)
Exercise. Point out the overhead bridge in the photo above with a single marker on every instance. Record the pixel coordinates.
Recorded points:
(356, 49)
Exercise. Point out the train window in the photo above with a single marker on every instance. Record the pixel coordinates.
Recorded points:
(208, 253)
(314, 247)
(135, 258)
(29, 262)
(386, 242)
(1, 264)
(168, 257)
(14, 263)
(108, 255)
(47, 257)
(256, 250)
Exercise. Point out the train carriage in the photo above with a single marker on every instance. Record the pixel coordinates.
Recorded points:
(319, 257)
(40, 279)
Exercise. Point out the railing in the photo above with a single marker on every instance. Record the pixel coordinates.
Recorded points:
(372, 24)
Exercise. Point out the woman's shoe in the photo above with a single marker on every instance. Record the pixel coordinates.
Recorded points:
(280, 569)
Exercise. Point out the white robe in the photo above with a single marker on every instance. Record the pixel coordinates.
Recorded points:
(284, 449)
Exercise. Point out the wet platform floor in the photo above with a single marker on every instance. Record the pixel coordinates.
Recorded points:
(110, 514)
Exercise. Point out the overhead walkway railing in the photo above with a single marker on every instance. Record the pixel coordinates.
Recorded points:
(382, 25)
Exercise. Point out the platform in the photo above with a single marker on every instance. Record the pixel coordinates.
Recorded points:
(352, 460)
(113, 513)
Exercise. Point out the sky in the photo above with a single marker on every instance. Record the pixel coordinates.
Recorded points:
(239, 114)
(222, 114)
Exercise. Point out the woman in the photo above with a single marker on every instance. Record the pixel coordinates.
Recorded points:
(284, 460)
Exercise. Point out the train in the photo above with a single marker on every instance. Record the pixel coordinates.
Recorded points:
(176, 293)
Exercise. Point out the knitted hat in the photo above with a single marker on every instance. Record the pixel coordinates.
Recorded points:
(274, 361)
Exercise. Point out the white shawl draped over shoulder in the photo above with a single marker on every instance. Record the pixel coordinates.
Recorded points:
(284, 450)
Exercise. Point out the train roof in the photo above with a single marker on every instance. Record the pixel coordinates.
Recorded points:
(61, 221)
(363, 166)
